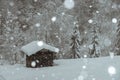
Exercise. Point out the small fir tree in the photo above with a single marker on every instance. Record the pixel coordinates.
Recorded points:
(76, 42)
(94, 52)
(117, 45)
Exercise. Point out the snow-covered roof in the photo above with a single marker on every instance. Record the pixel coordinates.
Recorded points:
(36, 46)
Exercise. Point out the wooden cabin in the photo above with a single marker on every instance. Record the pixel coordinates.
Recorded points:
(39, 54)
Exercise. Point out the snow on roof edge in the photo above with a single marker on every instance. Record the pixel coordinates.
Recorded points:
(35, 46)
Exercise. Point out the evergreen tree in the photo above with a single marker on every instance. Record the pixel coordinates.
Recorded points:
(76, 42)
(117, 45)
(94, 44)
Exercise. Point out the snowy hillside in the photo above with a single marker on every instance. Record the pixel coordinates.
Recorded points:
(103, 68)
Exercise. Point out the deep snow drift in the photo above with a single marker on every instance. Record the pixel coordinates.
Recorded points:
(103, 68)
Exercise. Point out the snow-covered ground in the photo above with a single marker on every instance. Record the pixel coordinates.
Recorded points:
(69, 69)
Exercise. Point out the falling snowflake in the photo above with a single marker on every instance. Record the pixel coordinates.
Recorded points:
(90, 6)
(75, 22)
(1, 56)
(90, 21)
(69, 4)
(38, 14)
(97, 11)
(40, 43)
(84, 67)
(24, 26)
(9, 13)
(11, 38)
(84, 46)
(85, 32)
(61, 29)
(37, 61)
(33, 63)
(77, 25)
(53, 19)
(111, 70)
(114, 6)
(11, 4)
(81, 77)
(37, 24)
(63, 13)
(85, 56)
(14, 46)
(57, 36)
(93, 79)
(35, 0)
(114, 20)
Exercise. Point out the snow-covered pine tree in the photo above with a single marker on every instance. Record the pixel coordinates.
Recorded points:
(94, 44)
(117, 45)
(76, 42)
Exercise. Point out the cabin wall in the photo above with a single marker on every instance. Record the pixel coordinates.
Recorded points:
(42, 59)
